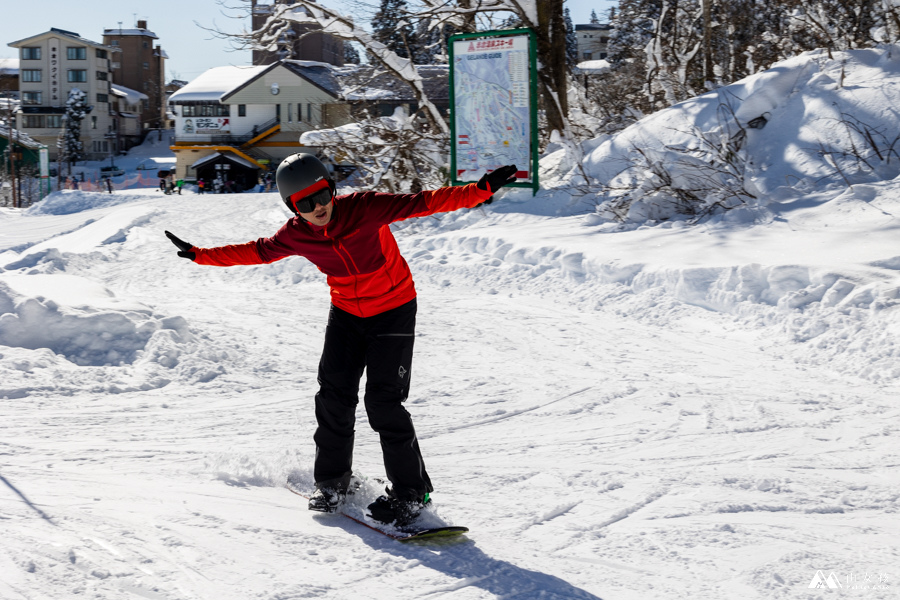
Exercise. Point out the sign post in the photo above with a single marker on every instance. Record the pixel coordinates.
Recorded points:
(493, 99)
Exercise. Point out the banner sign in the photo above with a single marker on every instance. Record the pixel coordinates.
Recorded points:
(207, 125)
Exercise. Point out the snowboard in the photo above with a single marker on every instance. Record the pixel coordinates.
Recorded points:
(409, 533)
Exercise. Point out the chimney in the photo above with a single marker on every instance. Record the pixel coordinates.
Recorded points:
(142, 24)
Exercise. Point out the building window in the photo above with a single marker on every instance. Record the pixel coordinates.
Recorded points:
(146, 65)
(242, 110)
(76, 53)
(101, 53)
(76, 76)
(205, 110)
(33, 121)
(93, 122)
(114, 43)
(290, 112)
(31, 53)
(31, 98)
(102, 98)
(54, 121)
(31, 75)
(102, 75)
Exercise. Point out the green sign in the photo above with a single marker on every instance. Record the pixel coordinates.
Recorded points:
(493, 95)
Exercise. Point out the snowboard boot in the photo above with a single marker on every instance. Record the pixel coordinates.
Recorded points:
(391, 509)
(326, 499)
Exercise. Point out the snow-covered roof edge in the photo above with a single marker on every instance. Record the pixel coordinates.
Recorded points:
(213, 84)
(131, 96)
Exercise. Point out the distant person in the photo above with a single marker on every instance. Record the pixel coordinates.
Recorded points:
(109, 184)
(200, 185)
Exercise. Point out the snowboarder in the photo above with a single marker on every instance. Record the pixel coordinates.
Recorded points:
(371, 323)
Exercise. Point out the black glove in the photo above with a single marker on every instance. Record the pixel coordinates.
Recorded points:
(496, 179)
(183, 246)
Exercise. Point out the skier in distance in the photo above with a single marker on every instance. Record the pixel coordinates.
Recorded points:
(371, 321)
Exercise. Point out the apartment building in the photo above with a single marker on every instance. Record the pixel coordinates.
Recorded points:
(51, 64)
(300, 41)
(140, 66)
(593, 40)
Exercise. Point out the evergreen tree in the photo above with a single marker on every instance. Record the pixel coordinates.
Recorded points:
(594, 19)
(571, 40)
(391, 27)
(70, 144)
(351, 54)
(431, 43)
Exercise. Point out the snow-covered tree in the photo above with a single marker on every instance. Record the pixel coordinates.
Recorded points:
(70, 146)
(351, 54)
(392, 27)
(595, 20)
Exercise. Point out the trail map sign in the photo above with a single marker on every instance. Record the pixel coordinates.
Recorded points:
(493, 95)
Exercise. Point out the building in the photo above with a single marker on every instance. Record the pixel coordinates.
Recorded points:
(140, 66)
(245, 120)
(236, 121)
(593, 40)
(127, 105)
(53, 63)
(299, 42)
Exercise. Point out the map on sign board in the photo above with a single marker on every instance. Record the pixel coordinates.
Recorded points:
(492, 106)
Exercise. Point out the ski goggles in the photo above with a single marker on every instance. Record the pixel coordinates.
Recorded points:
(305, 201)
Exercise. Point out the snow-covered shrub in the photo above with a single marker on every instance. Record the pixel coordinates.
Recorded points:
(694, 179)
(864, 153)
(395, 153)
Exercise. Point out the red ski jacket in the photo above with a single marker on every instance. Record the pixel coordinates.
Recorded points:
(356, 249)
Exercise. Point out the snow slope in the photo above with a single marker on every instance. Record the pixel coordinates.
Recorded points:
(668, 411)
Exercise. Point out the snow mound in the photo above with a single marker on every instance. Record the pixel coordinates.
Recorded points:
(809, 122)
(89, 327)
(67, 202)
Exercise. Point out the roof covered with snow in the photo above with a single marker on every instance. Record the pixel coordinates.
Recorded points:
(366, 82)
(131, 96)
(21, 138)
(211, 85)
(350, 82)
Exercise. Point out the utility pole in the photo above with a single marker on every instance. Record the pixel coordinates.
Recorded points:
(11, 152)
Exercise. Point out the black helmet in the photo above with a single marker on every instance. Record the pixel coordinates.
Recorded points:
(303, 176)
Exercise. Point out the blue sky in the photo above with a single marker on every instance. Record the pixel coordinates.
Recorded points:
(191, 50)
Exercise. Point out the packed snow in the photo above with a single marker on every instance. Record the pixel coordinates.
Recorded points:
(658, 409)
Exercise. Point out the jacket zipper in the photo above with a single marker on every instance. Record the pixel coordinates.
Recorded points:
(337, 246)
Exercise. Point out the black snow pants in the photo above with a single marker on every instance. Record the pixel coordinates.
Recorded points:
(382, 345)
